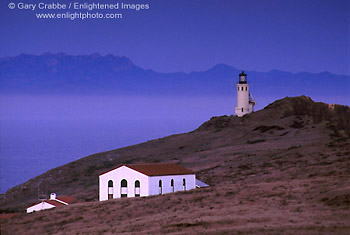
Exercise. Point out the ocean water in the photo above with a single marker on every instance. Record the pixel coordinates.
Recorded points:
(38, 133)
(31, 147)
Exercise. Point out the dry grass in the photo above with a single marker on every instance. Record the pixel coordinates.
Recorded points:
(276, 207)
(296, 181)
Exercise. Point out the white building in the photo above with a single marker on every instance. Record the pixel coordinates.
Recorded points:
(51, 203)
(138, 180)
(245, 102)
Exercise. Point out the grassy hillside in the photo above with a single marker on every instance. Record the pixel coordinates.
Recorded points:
(283, 168)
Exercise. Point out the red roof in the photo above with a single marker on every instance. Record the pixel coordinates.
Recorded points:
(52, 202)
(66, 199)
(157, 169)
(55, 203)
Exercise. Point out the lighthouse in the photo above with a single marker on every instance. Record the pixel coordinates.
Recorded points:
(245, 101)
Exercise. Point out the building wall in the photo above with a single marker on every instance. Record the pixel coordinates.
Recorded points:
(166, 183)
(243, 100)
(148, 185)
(117, 176)
(39, 207)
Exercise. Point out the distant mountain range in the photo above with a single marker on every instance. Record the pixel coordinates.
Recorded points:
(96, 74)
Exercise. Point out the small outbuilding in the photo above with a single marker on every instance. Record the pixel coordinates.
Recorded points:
(51, 203)
(139, 180)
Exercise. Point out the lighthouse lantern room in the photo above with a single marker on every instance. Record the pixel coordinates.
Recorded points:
(245, 101)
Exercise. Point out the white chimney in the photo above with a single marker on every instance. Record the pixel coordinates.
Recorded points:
(53, 196)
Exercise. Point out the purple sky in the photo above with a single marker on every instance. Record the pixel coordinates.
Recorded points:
(192, 35)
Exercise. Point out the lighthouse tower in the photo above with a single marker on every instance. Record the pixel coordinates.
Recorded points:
(245, 101)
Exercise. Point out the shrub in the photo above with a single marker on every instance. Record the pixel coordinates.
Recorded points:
(255, 141)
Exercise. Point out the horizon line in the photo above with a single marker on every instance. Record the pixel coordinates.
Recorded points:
(200, 71)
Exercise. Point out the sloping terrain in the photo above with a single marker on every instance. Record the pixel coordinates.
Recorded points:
(282, 169)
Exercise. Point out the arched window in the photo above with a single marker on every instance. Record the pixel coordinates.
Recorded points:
(246, 88)
(137, 188)
(124, 183)
(160, 187)
(172, 185)
(124, 188)
(110, 189)
(242, 110)
(184, 184)
(242, 89)
(237, 88)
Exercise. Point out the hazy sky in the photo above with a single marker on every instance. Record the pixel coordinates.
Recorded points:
(192, 35)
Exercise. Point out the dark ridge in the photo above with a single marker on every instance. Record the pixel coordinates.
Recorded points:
(219, 123)
(263, 129)
(337, 115)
